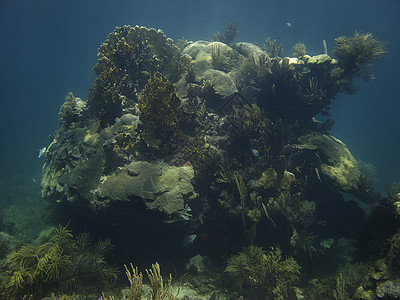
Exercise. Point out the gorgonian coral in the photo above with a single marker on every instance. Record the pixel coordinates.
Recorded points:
(353, 52)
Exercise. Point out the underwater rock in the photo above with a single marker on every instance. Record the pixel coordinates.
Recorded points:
(337, 163)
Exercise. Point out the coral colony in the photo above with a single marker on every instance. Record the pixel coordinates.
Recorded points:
(207, 157)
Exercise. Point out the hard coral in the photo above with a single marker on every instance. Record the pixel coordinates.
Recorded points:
(158, 111)
(126, 60)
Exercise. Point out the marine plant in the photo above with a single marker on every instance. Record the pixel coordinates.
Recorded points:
(258, 132)
(350, 276)
(219, 61)
(33, 269)
(62, 263)
(263, 274)
(255, 68)
(272, 48)
(158, 106)
(229, 35)
(357, 51)
(299, 50)
(4, 246)
(128, 58)
(87, 265)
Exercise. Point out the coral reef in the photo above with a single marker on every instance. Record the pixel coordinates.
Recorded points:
(128, 58)
(218, 141)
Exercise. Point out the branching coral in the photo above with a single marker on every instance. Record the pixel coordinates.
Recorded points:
(126, 60)
(159, 289)
(136, 282)
(354, 52)
(158, 106)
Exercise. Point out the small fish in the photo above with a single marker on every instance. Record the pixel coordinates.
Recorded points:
(41, 152)
(289, 25)
(117, 120)
(188, 240)
(255, 152)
